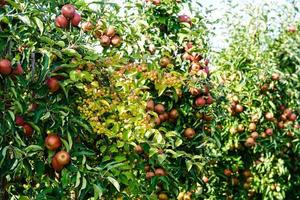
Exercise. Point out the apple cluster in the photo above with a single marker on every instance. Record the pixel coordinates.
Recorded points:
(61, 158)
(163, 115)
(6, 68)
(68, 15)
(110, 37)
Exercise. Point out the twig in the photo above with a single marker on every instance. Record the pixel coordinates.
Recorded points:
(32, 65)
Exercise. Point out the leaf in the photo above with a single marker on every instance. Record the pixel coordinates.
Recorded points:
(189, 165)
(70, 140)
(25, 19)
(178, 142)
(40, 24)
(78, 176)
(114, 182)
(98, 191)
(65, 144)
(33, 148)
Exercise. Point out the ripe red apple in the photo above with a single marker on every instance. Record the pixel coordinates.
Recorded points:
(164, 62)
(138, 149)
(150, 175)
(52, 142)
(250, 142)
(160, 172)
(264, 88)
(159, 108)
(55, 165)
(200, 101)
(189, 133)
(280, 125)
(293, 117)
(53, 84)
(28, 130)
(254, 135)
(110, 32)
(68, 11)
(185, 19)
(269, 116)
(275, 76)
(156, 2)
(239, 108)
(194, 91)
(150, 105)
(19, 121)
(227, 172)
(205, 179)
(157, 121)
(287, 112)
(174, 114)
(61, 21)
(105, 40)
(18, 70)
(63, 158)
(116, 40)
(5, 67)
(269, 131)
(209, 100)
(76, 19)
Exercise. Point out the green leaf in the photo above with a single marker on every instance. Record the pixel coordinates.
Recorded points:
(98, 191)
(25, 19)
(189, 165)
(40, 24)
(114, 182)
(78, 176)
(33, 148)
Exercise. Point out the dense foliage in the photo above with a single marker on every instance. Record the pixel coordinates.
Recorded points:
(104, 102)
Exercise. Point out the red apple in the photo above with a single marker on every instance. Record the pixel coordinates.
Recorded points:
(68, 11)
(184, 19)
(269, 131)
(156, 2)
(5, 67)
(18, 70)
(63, 158)
(110, 32)
(52, 142)
(293, 117)
(105, 40)
(28, 130)
(61, 22)
(55, 165)
(200, 101)
(209, 100)
(53, 84)
(19, 121)
(116, 40)
(76, 19)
